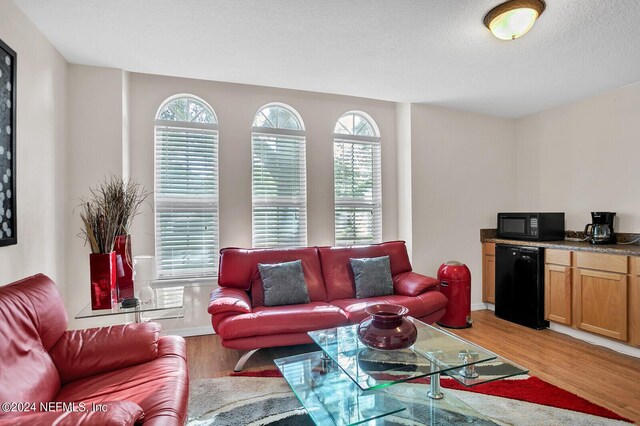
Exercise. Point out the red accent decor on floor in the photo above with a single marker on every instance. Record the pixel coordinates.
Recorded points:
(533, 390)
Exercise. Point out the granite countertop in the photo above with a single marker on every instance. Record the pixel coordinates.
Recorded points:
(489, 236)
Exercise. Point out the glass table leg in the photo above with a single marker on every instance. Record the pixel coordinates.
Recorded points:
(435, 392)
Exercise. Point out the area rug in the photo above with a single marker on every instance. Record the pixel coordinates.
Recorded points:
(264, 398)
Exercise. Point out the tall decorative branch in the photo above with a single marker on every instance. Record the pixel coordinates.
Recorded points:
(109, 212)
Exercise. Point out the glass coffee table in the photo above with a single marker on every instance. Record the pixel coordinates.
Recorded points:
(347, 383)
(168, 302)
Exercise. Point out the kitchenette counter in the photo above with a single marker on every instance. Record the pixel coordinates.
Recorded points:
(592, 288)
(489, 236)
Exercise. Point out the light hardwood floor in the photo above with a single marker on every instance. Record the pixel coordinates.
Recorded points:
(598, 374)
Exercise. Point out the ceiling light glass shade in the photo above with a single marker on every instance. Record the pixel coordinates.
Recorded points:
(514, 18)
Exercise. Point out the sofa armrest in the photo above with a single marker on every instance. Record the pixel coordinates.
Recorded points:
(82, 353)
(229, 300)
(107, 413)
(172, 346)
(413, 284)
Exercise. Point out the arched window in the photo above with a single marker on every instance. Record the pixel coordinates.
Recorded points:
(186, 188)
(279, 177)
(357, 180)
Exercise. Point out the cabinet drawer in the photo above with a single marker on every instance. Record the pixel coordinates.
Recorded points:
(489, 249)
(602, 262)
(557, 257)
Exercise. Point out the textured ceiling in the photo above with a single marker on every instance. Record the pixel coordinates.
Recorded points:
(429, 51)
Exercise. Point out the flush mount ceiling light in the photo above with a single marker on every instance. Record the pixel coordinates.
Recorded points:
(513, 18)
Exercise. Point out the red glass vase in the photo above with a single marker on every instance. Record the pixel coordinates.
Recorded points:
(387, 328)
(102, 268)
(124, 264)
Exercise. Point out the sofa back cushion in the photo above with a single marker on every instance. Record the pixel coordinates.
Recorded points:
(32, 320)
(336, 266)
(239, 269)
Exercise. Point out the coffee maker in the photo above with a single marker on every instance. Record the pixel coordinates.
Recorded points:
(600, 231)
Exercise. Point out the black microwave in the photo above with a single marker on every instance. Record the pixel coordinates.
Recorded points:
(531, 226)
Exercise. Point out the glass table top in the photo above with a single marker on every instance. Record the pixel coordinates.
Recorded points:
(435, 351)
(165, 298)
(331, 397)
(347, 383)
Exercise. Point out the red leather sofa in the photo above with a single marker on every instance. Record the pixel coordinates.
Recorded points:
(239, 316)
(115, 375)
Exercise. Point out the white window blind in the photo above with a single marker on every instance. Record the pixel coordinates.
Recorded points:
(186, 189)
(279, 183)
(357, 181)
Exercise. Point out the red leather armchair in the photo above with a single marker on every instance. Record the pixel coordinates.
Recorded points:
(239, 316)
(108, 376)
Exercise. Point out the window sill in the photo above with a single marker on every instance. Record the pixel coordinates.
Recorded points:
(186, 282)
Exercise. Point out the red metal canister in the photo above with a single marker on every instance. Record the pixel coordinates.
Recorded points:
(455, 283)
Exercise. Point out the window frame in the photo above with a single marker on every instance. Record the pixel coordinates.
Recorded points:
(300, 201)
(375, 205)
(194, 202)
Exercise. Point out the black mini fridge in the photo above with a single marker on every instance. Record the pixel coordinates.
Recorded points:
(520, 285)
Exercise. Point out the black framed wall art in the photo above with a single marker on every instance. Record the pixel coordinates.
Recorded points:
(8, 217)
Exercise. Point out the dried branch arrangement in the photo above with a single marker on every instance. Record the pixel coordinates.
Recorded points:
(109, 212)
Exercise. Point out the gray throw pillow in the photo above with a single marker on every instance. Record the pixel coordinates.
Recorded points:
(283, 283)
(372, 276)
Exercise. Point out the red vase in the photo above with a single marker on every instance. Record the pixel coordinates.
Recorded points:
(124, 264)
(387, 328)
(103, 280)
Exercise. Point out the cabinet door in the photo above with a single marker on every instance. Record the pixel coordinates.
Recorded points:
(489, 273)
(601, 302)
(557, 293)
(634, 303)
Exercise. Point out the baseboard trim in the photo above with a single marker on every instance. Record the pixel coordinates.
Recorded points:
(482, 307)
(189, 332)
(596, 340)
(478, 307)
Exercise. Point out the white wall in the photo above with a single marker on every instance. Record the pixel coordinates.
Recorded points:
(41, 156)
(405, 221)
(236, 105)
(111, 119)
(463, 172)
(94, 151)
(77, 124)
(583, 157)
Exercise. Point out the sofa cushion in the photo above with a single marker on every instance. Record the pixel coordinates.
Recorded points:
(283, 283)
(372, 276)
(419, 306)
(111, 413)
(282, 319)
(32, 319)
(160, 387)
(81, 353)
(336, 269)
(268, 341)
(412, 284)
(239, 269)
(398, 256)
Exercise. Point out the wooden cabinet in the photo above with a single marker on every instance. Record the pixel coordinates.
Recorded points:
(557, 290)
(601, 294)
(489, 273)
(595, 292)
(634, 302)
(601, 302)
